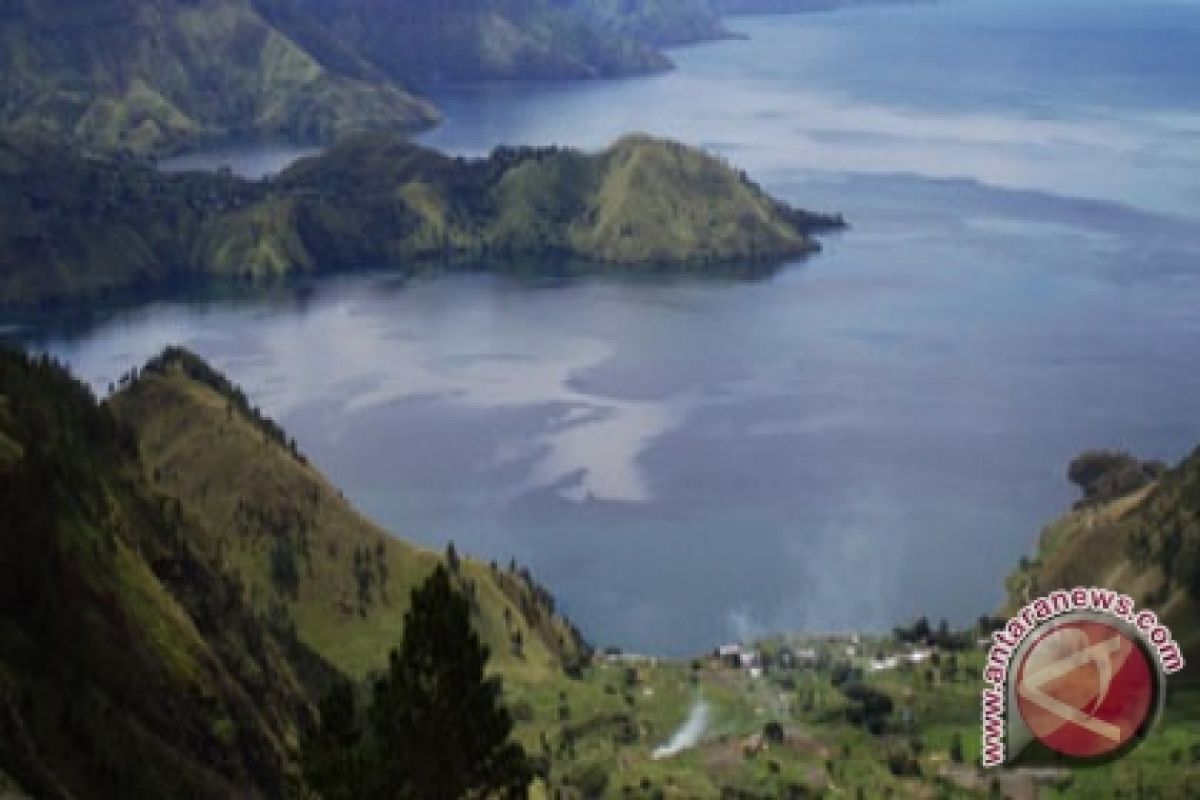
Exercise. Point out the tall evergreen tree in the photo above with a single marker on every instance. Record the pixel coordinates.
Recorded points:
(436, 715)
(436, 729)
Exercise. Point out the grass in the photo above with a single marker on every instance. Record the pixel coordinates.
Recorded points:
(120, 653)
(824, 753)
(598, 732)
(253, 498)
(378, 200)
(171, 75)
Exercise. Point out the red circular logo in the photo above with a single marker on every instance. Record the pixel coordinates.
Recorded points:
(1085, 688)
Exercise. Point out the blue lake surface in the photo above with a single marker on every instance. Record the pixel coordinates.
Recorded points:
(874, 433)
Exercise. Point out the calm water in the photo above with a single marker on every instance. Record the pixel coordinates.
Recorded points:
(874, 433)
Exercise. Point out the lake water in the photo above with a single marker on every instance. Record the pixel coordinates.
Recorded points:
(871, 434)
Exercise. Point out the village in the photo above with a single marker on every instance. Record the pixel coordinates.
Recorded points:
(838, 714)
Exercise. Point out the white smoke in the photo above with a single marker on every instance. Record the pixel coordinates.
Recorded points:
(743, 625)
(689, 732)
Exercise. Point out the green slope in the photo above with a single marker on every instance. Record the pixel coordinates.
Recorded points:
(74, 225)
(303, 555)
(171, 566)
(128, 666)
(159, 75)
(425, 40)
(659, 22)
(177, 585)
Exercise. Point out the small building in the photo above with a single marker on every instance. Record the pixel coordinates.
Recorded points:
(730, 655)
(919, 656)
(786, 658)
(884, 663)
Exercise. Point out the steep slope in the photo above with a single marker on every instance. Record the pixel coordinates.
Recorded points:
(155, 75)
(658, 201)
(795, 6)
(76, 226)
(1142, 537)
(128, 667)
(378, 199)
(659, 22)
(305, 557)
(432, 40)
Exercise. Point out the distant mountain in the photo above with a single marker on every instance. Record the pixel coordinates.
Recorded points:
(438, 40)
(1137, 530)
(74, 226)
(732, 7)
(659, 22)
(155, 76)
(158, 75)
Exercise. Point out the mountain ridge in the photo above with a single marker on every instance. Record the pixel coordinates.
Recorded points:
(155, 77)
(163, 76)
(78, 225)
(161, 632)
(127, 665)
(302, 554)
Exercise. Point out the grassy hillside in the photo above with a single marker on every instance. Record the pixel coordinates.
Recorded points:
(794, 6)
(156, 76)
(128, 666)
(660, 22)
(1140, 535)
(73, 225)
(177, 585)
(658, 201)
(304, 557)
(172, 571)
(429, 40)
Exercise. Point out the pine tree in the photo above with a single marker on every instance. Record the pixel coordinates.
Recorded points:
(436, 721)
(435, 729)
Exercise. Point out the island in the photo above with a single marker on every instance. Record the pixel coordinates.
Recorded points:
(79, 225)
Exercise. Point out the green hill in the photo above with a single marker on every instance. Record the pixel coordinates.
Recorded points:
(177, 583)
(73, 225)
(128, 666)
(177, 586)
(429, 40)
(156, 76)
(1137, 530)
(660, 22)
(304, 557)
